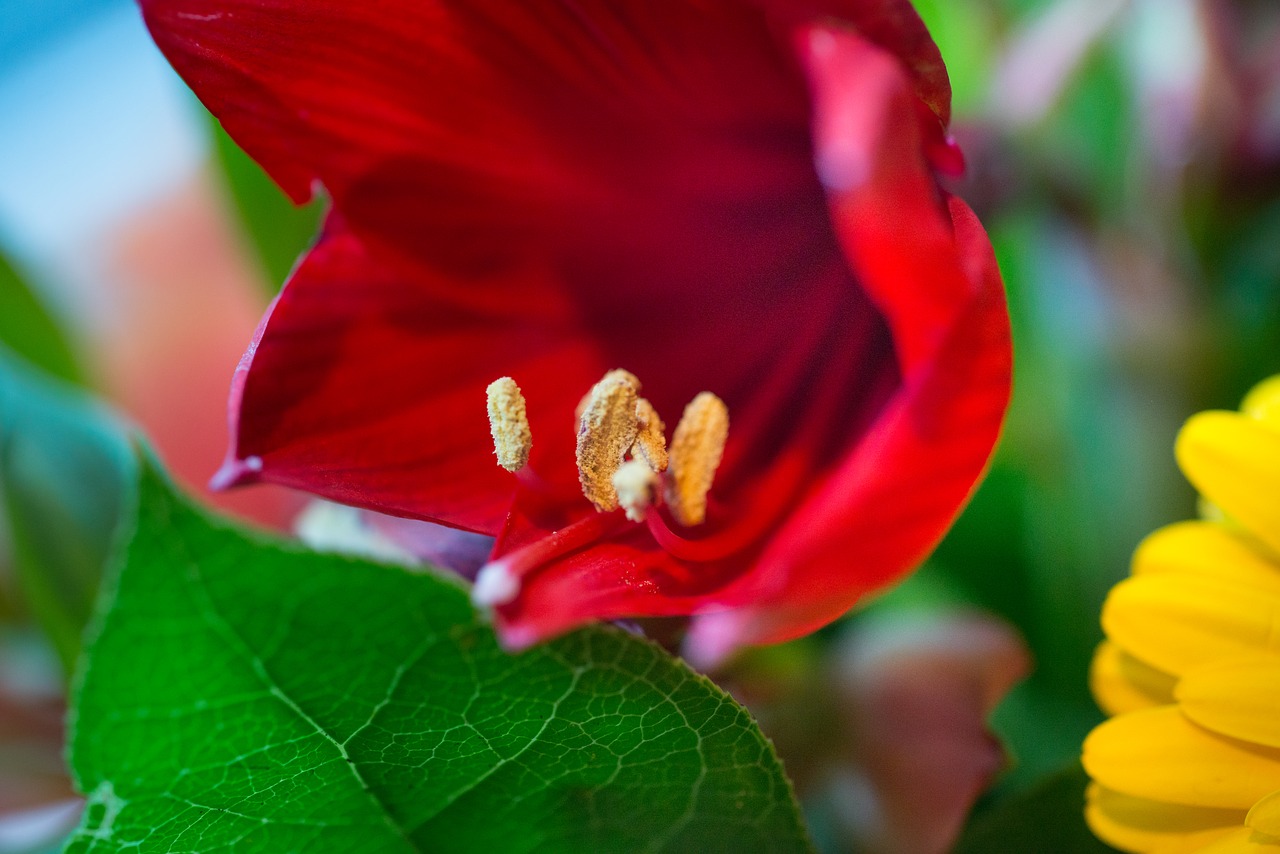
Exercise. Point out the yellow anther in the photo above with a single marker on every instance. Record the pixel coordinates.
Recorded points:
(636, 485)
(509, 424)
(696, 449)
(606, 432)
(651, 443)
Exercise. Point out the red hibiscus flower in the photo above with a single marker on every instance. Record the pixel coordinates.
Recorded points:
(726, 196)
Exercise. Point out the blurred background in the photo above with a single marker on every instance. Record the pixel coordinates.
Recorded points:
(1123, 154)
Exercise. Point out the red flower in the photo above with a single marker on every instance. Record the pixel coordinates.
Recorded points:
(553, 189)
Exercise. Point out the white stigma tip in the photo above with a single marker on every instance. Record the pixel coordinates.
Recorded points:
(253, 463)
(636, 485)
(495, 585)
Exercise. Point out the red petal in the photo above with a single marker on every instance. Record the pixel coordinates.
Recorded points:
(875, 519)
(368, 387)
(468, 133)
(874, 513)
(628, 576)
(900, 492)
(670, 219)
(553, 193)
(893, 25)
(936, 280)
(889, 213)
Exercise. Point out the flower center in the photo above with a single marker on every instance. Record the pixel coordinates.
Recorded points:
(623, 463)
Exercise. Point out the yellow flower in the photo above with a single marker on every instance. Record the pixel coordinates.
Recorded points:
(1190, 670)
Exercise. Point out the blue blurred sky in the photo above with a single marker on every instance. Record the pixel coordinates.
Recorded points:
(95, 126)
(28, 26)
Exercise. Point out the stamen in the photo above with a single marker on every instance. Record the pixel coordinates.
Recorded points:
(585, 401)
(651, 441)
(606, 432)
(696, 449)
(509, 424)
(636, 485)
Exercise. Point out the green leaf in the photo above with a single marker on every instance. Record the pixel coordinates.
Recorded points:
(28, 329)
(244, 694)
(1087, 145)
(1049, 819)
(279, 230)
(66, 474)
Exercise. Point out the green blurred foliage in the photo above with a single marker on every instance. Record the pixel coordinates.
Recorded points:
(965, 33)
(1239, 242)
(1086, 147)
(65, 479)
(1047, 820)
(278, 230)
(28, 329)
(1139, 293)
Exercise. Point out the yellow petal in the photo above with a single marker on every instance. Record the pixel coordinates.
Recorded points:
(1243, 841)
(1195, 843)
(1175, 622)
(1234, 460)
(1238, 697)
(1139, 824)
(1208, 549)
(1263, 403)
(1264, 817)
(1122, 683)
(1160, 755)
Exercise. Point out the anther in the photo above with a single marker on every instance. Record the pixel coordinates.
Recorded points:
(696, 449)
(606, 432)
(636, 486)
(651, 441)
(509, 424)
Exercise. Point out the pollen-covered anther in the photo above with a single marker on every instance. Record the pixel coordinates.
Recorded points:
(636, 485)
(606, 431)
(509, 424)
(696, 449)
(651, 441)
